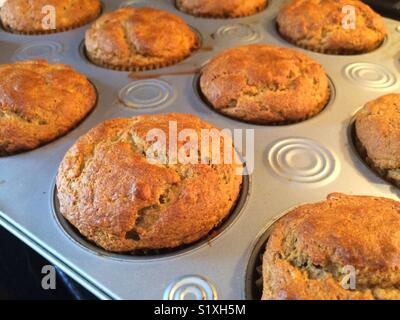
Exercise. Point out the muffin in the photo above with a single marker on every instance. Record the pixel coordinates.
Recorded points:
(313, 250)
(377, 133)
(69, 14)
(322, 26)
(221, 8)
(139, 39)
(264, 84)
(123, 199)
(40, 102)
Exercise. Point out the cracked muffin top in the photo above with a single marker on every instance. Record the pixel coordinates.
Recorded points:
(378, 131)
(221, 8)
(122, 198)
(139, 39)
(40, 102)
(265, 84)
(313, 248)
(27, 16)
(324, 26)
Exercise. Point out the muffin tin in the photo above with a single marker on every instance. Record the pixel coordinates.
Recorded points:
(293, 164)
(358, 149)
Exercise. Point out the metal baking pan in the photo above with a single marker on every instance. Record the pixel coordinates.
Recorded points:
(293, 164)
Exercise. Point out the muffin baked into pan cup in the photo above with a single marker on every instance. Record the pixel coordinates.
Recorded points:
(375, 133)
(35, 17)
(124, 201)
(312, 252)
(40, 102)
(264, 84)
(223, 9)
(136, 39)
(338, 27)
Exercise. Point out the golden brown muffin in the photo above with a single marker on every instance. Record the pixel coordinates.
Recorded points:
(27, 16)
(116, 197)
(221, 8)
(40, 102)
(378, 136)
(265, 84)
(139, 39)
(319, 26)
(311, 249)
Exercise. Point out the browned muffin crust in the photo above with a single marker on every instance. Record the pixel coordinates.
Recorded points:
(309, 247)
(378, 135)
(40, 102)
(265, 84)
(221, 8)
(26, 16)
(139, 39)
(318, 26)
(109, 190)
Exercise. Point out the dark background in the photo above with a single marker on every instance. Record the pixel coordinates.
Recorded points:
(389, 8)
(21, 274)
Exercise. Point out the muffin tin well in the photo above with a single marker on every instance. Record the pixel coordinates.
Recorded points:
(318, 26)
(253, 281)
(228, 14)
(146, 255)
(314, 157)
(361, 153)
(380, 46)
(84, 54)
(204, 100)
(80, 121)
(52, 31)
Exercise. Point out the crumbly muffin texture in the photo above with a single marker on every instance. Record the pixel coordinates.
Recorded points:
(27, 16)
(139, 38)
(108, 189)
(310, 247)
(221, 8)
(378, 133)
(265, 84)
(318, 25)
(40, 102)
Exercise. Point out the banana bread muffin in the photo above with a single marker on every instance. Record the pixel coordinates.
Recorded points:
(325, 26)
(32, 17)
(123, 199)
(139, 39)
(221, 8)
(264, 84)
(378, 136)
(315, 250)
(40, 102)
